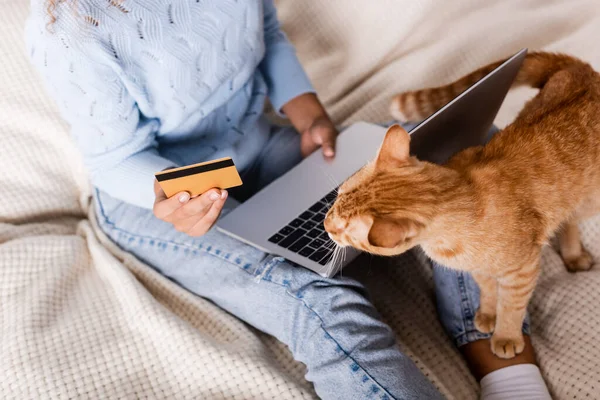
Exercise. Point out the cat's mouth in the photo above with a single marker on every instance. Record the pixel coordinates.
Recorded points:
(337, 229)
(334, 229)
(336, 239)
(343, 240)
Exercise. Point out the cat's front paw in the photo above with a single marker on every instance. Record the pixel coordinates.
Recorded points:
(504, 347)
(485, 323)
(582, 263)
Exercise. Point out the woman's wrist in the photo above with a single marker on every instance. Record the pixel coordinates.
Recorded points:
(304, 110)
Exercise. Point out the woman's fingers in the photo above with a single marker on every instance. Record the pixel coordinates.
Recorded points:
(327, 137)
(194, 216)
(164, 207)
(197, 207)
(323, 133)
(208, 220)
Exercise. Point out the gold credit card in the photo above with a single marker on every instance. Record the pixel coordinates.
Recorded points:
(198, 178)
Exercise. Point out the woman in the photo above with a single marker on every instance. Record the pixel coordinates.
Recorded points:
(147, 86)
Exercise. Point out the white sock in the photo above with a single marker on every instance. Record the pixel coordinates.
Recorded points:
(523, 382)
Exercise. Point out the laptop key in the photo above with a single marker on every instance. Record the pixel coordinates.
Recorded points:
(325, 259)
(296, 223)
(314, 233)
(331, 197)
(318, 217)
(307, 251)
(324, 236)
(315, 244)
(299, 244)
(316, 207)
(286, 230)
(276, 238)
(306, 215)
(308, 225)
(288, 241)
(331, 244)
(319, 254)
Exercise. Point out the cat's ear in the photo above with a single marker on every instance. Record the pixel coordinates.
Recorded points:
(390, 233)
(395, 150)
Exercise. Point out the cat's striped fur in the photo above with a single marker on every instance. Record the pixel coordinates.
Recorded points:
(417, 105)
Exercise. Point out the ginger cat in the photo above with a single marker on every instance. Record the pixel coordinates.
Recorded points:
(491, 208)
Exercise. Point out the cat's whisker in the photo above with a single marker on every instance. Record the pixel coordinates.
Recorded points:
(335, 260)
(342, 260)
(326, 174)
(331, 263)
(329, 204)
(330, 245)
(331, 179)
(331, 259)
(338, 256)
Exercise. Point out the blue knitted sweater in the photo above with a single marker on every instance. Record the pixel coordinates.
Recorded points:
(149, 84)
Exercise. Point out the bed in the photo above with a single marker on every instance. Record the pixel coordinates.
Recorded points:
(81, 319)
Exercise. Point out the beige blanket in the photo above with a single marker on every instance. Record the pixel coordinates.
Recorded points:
(80, 319)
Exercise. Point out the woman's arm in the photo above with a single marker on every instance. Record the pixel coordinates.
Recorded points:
(117, 142)
(290, 90)
(281, 68)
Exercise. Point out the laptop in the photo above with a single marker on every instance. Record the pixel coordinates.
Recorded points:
(286, 217)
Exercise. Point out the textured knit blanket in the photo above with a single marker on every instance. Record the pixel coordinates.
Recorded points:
(81, 319)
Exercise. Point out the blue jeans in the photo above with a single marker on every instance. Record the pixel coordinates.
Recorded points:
(328, 323)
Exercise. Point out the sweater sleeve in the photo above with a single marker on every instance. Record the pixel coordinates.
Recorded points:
(117, 141)
(281, 68)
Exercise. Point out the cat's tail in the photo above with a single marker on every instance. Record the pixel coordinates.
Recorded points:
(536, 70)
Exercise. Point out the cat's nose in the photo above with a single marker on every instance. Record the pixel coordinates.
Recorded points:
(334, 226)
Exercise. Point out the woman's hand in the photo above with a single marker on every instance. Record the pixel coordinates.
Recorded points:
(194, 216)
(310, 119)
(321, 133)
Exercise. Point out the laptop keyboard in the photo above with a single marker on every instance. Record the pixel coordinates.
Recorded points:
(305, 235)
